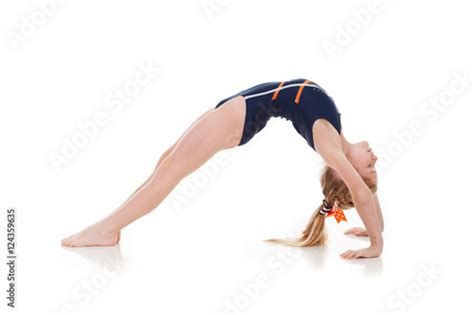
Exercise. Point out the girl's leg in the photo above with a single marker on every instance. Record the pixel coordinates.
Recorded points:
(219, 129)
(167, 152)
(163, 156)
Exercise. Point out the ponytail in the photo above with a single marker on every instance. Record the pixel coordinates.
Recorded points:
(334, 189)
(313, 235)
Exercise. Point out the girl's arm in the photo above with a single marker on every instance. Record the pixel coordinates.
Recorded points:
(328, 145)
(366, 206)
(379, 212)
(359, 231)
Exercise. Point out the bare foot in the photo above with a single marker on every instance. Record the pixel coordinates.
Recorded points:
(94, 235)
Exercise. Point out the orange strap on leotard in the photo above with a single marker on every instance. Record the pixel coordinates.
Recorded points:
(275, 94)
(300, 90)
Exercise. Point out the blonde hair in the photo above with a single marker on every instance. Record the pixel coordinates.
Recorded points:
(334, 189)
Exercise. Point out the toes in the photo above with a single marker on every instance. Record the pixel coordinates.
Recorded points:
(73, 242)
(67, 241)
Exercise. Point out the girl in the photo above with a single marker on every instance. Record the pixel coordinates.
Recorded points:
(348, 180)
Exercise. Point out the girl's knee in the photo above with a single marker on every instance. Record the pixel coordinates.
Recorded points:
(172, 166)
(165, 155)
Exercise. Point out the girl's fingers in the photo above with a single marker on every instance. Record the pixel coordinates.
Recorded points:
(356, 231)
(354, 255)
(351, 254)
(350, 231)
(347, 254)
(344, 255)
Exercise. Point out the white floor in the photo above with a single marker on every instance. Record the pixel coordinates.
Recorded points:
(206, 255)
(173, 271)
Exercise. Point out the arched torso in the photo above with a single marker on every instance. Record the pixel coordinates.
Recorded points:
(301, 101)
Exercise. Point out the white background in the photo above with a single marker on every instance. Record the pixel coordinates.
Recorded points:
(399, 71)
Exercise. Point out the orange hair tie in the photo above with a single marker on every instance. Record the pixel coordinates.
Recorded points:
(334, 210)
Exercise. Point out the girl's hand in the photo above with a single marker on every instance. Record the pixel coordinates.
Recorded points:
(369, 252)
(357, 231)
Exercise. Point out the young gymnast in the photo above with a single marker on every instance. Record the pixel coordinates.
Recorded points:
(348, 180)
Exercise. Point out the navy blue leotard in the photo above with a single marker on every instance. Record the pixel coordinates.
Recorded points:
(299, 100)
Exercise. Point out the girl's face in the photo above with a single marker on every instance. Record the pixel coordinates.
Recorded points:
(363, 160)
